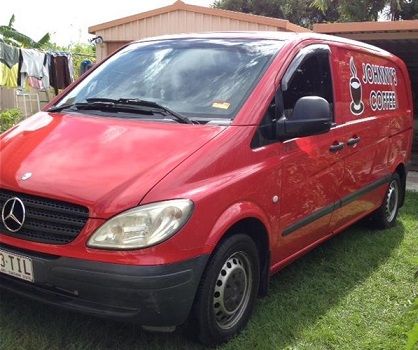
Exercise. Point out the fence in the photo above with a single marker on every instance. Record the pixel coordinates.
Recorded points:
(29, 102)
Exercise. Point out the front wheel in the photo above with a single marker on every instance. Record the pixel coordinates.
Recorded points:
(385, 216)
(228, 290)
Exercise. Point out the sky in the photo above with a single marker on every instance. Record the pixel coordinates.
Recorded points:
(69, 24)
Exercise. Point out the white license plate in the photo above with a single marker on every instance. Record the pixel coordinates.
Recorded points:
(16, 265)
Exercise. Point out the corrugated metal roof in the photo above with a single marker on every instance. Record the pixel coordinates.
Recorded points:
(181, 6)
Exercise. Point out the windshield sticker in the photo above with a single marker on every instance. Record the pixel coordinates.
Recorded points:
(222, 105)
(378, 77)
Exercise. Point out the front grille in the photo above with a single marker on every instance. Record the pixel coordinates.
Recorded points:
(47, 220)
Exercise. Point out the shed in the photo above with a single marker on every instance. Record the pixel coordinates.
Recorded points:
(181, 18)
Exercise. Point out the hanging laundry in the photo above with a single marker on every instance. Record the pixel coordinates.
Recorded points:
(9, 65)
(33, 67)
(85, 66)
(61, 73)
(70, 65)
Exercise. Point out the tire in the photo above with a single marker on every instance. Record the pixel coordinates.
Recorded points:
(228, 289)
(385, 216)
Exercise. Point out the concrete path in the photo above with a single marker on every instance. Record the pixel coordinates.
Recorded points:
(412, 181)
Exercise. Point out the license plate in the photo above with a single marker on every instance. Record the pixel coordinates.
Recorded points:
(16, 265)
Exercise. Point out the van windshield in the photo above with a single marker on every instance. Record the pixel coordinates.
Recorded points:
(198, 78)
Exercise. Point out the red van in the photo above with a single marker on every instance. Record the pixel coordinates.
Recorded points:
(171, 181)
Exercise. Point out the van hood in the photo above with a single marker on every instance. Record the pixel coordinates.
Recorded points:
(106, 164)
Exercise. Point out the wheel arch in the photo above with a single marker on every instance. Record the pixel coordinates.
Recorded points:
(402, 172)
(257, 231)
(248, 220)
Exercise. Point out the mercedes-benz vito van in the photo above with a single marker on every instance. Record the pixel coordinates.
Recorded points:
(173, 179)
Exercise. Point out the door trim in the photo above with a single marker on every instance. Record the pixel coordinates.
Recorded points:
(331, 208)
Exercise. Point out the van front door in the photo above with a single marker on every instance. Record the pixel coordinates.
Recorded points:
(312, 168)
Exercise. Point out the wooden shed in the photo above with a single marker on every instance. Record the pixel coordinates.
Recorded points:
(181, 18)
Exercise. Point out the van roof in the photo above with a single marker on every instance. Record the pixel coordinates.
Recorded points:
(271, 35)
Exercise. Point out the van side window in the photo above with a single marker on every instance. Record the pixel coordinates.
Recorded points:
(308, 75)
(311, 78)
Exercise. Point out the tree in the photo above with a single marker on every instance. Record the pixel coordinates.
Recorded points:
(11, 36)
(306, 13)
(407, 9)
(296, 11)
(259, 7)
(301, 12)
(364, 10)
(361, 10)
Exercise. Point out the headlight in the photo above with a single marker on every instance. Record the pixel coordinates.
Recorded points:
(143, 226)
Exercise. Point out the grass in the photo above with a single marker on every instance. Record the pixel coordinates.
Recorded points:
(353, 292)
(9, 118)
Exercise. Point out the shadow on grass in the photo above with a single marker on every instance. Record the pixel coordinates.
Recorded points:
(299, 295)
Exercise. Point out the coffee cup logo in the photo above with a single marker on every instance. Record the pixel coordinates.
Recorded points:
(356, 106)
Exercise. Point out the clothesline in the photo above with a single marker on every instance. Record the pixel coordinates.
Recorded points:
(83, 55)
(67, 53)
(38, 68)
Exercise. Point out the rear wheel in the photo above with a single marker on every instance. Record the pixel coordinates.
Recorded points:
(386, 215)
(228, 290)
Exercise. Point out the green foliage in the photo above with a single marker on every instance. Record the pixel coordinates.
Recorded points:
(412, 335)
(306, 13)
(9, 118)
(303, 14)
(11, 36)
(408, 9)
(296, 11)
(12, 21)
(362, 10)
(80, 53)
(370, 10)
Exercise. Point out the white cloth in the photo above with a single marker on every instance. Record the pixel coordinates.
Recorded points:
(71, 66)
(33, 67)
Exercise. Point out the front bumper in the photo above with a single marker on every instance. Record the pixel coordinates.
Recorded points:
(156, 296)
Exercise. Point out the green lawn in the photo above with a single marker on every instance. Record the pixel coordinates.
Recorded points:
(354, 292)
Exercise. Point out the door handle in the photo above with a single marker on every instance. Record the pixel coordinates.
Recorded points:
(336, 146)
(353, 141)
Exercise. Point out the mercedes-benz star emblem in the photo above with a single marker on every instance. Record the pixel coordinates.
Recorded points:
(13, 214)
(26, 176)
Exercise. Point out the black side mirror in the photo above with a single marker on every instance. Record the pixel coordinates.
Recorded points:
(311, 116)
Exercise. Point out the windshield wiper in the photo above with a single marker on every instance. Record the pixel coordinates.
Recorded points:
(62, 107)
(100, 105)
(142, 103)
(124, 104)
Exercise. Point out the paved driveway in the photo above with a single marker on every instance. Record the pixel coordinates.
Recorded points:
(412, 181)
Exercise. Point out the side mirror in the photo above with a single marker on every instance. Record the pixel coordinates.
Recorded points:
(311, 116)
